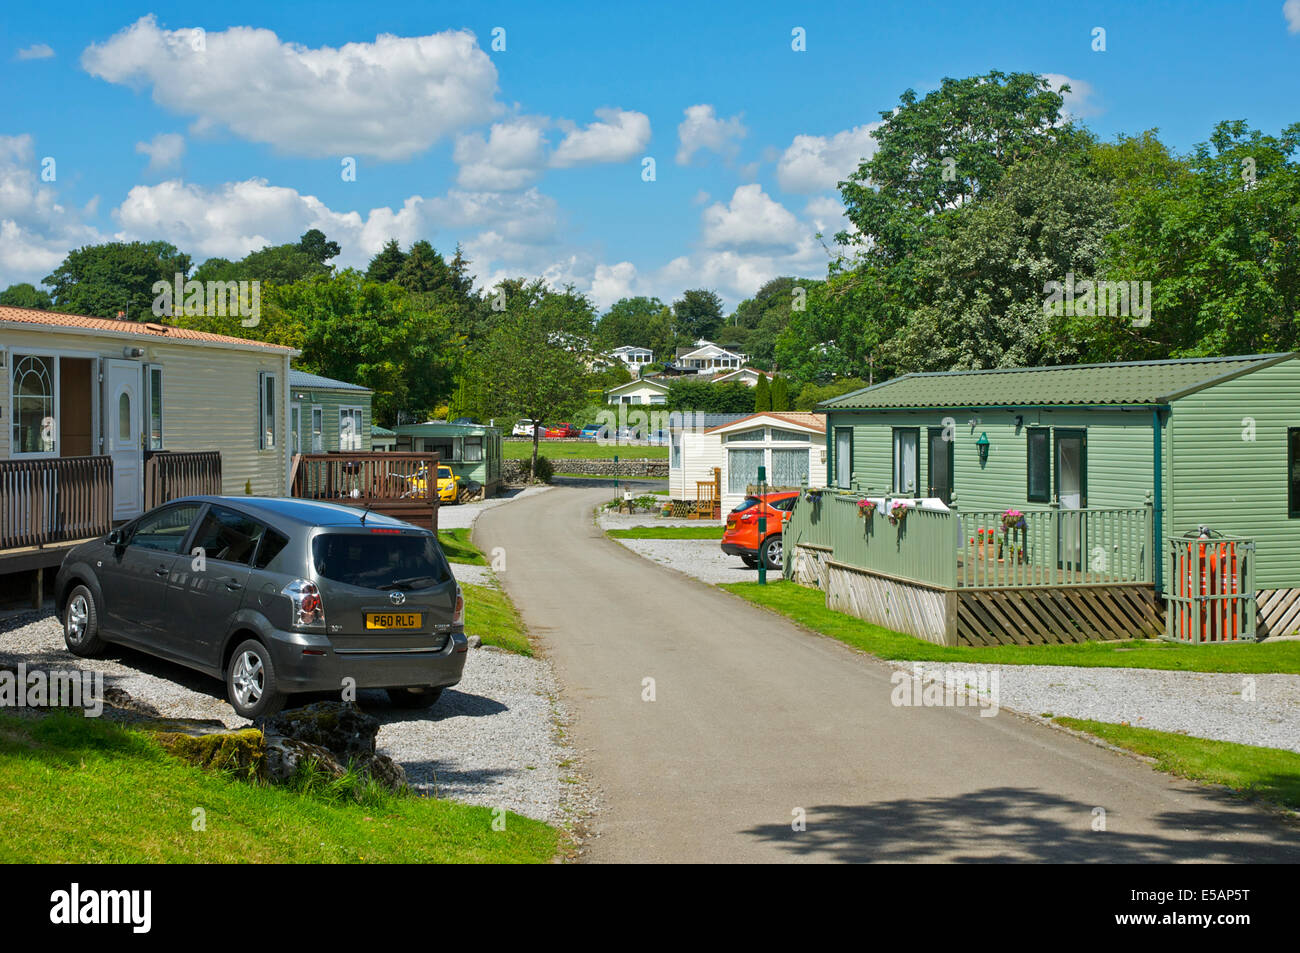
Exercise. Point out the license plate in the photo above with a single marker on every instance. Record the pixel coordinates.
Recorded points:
(392, 620)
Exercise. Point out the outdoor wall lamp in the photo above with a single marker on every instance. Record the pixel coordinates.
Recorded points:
(983, 445)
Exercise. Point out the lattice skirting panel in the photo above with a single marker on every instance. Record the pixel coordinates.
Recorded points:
(1057, 615)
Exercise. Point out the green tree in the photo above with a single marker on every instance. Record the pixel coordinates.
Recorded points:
(813, 394)
(533, 360)
(764, 317)
(1216, 238)
(118, 277)
(275, 264)
(698, 313)
(25, 295)
(762, 395)
(631, 322)
(703, 397)
(780, 393)
(424, 270)
(387, 263)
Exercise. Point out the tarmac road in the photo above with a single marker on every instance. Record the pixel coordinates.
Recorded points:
(755, 723)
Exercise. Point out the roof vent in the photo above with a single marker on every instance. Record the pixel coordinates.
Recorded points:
(160, 328)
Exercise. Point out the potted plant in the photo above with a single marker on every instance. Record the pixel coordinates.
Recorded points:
(898, 512)
(866, 508)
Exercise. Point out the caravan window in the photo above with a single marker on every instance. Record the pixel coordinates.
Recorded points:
(33, 414)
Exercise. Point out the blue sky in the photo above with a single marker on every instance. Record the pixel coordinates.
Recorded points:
(532, 156)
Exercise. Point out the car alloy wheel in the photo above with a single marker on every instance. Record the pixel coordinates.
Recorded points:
(78, 619)
(248, 678)
(772, 553)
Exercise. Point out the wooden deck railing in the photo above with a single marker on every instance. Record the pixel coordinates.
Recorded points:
(54, 500)
(170, 476)
(401, 485)
(974, 549)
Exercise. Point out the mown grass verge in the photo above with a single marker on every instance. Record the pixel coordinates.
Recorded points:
(456, 546)
(1270, 774)
(79, 790)
(491, 615)
(667, 532)
(808, 608)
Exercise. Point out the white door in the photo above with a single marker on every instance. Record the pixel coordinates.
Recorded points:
(122, 415)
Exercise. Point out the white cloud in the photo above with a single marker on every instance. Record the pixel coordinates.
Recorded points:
(703, 130)
(512, 155)
(164, 150)
(36, 230)
(751, 221)
(617, 135)
(390, 99)
(233, 219)
(818, 163)
(1078, 102)
(612, 282)
(1291, 10)
(37, 51)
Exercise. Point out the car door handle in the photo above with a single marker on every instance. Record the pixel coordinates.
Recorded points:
(234, 586)
(160, 571)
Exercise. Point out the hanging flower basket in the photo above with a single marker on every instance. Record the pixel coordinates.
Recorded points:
(866, 508)
(812, 496)
(898, 512)
(1013, 519)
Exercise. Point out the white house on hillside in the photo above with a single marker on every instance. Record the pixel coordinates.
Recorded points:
(706, 357)
(746, 375)
(648, 390)
(634, 358)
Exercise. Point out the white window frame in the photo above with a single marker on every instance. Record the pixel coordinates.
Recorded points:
(53, 358)
(149, 370)
(349, 409)
(317, 445)
(268, 427)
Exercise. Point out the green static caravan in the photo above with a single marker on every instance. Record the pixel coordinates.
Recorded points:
(326, 415)
(1209, 442)
(473, 451)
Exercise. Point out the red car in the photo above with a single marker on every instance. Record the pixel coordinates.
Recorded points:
(562, 430)
(741, 537)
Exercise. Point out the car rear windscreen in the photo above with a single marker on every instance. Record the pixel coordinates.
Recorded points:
(379, 560)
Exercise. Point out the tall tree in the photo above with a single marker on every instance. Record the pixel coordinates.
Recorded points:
(533, 360)
(780, 393)
(387, 262)
(118, 277)
(424, 270)
(762, 395)
(698, 313)
(25, 295)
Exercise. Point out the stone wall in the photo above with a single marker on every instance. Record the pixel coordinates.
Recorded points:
(646, 469)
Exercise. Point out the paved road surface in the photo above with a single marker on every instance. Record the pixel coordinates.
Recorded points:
(754, 719)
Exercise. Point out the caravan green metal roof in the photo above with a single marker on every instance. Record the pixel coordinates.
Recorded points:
(1127, 384)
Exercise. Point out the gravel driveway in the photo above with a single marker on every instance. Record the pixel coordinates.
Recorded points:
(494, 739)
(1201, 704)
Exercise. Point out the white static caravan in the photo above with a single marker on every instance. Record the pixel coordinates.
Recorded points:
(790, 444)
(694, 451)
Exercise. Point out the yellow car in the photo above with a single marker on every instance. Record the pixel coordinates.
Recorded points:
(448, 485)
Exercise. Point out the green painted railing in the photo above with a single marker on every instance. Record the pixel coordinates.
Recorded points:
(977, 548)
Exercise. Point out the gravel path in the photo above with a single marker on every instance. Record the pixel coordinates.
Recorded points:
(1204, 705)
(494, 739)
(701, 558)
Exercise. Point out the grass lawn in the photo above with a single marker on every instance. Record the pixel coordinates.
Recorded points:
(808, 608)
(667, 532)
(458, 549)
(79, 790)
(491, 615)
(1267, 773)
(586, 450)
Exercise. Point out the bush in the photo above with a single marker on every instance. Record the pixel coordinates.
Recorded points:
(545, 469)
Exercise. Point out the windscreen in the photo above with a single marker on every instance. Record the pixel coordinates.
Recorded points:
(379, 560)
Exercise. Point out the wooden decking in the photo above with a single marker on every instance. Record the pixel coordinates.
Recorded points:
(400, 485)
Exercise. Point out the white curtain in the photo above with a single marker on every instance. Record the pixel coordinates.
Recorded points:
(742, 469)
(789, 467)
(905, 461)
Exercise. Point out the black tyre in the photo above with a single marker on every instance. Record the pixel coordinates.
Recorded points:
(750, 561)
(251, 684)
(81, 624)
(771, 551)
(414, 697)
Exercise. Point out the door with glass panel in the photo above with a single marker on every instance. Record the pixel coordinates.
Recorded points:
(939, 464)
(1072, 495)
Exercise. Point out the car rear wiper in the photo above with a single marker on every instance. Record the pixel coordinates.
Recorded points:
(403, 582)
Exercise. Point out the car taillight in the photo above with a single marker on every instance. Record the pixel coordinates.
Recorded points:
(458, 617)
(307, 610)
